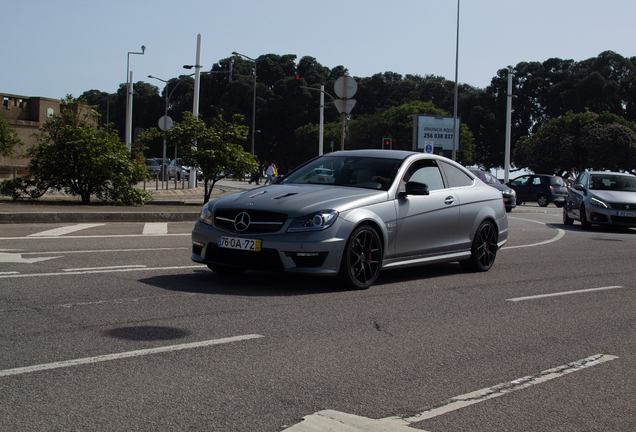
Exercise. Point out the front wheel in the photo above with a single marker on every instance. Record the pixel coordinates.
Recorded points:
(484, 249)
(543, 201)
(567, 220)
(585, 225)
(361, 259)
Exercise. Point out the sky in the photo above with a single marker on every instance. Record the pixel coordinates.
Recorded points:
(54, 48)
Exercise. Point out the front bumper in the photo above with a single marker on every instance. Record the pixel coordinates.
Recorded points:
(612, 217)
(317, 252)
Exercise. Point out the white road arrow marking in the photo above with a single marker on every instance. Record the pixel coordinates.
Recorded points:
(17, 258)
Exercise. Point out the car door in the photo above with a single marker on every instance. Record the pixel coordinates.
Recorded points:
(575, 196)
(521, 187)
(425, 223)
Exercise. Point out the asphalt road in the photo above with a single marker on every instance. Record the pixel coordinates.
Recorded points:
(112, 327)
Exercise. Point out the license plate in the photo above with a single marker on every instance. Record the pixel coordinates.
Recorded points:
(239, 243)
(626, 213)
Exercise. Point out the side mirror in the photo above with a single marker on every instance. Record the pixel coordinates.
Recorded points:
(415, 188)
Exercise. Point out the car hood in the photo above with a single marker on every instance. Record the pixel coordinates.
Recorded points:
(299, 200)
(615, 196)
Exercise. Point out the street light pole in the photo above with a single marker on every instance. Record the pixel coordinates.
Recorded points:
(455, 131)
(128, 131)
(322, 113)
(254, 101)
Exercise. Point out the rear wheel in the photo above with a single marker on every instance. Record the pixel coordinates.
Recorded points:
(567, 220)
(361, 259)
(225, 270)
(543, 201)
(483, 250)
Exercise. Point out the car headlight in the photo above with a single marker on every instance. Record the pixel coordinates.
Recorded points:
(598, 203)
(511, 192)
(206, 216)
(314, 222)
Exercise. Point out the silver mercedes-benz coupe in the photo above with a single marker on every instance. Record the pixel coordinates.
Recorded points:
(353, 213)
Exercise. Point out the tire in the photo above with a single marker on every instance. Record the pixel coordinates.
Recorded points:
(559, 204)
(585, 225)
(225, 270)
(543, 201)
(519, 202)
(484, 249)
(508, 209)
(567, 220)
(361, 259)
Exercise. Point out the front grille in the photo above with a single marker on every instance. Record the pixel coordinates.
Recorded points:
(261, 222)
(623, 206)
(265, 259)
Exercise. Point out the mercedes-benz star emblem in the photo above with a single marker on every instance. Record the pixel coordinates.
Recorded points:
(241, 221)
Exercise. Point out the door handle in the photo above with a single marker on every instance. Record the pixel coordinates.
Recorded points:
(449, 200)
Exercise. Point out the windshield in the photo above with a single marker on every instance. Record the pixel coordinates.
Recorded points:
(362, 172)
(613, 182)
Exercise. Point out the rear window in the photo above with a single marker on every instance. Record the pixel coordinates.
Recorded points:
(557, 181)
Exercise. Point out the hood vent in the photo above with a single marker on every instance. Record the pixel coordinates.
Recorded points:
(285, 195)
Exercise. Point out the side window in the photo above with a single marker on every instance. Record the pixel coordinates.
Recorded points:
(536, 180)
(582, 180)
(426, 172)
(455, 176)
(519, 181)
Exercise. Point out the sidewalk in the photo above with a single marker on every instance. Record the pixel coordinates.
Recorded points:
(169, 205)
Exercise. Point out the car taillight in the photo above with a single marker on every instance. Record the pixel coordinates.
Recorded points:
(551, 189)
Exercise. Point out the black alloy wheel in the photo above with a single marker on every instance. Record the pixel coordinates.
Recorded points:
(483, 250)
(361, 259)
(567, 220)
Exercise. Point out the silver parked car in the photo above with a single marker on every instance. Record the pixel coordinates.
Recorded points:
(601, 198)
(352, 213)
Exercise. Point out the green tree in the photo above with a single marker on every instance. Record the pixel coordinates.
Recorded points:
(218, 152)
(579, 140)
(8, 138)
(75, 155)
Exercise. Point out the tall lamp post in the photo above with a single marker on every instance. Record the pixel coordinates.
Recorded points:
(129, 82)
(455, 131)
(254, 102)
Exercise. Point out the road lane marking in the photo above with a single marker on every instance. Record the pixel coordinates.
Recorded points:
(511, 386)
(123, 355)
(92, 236)
(56, 232)
(17, 258)
(153, 228)
(83, 272)
(105, 250)
(336, 421)
(559, 236)
(562, 293)
(105, 268)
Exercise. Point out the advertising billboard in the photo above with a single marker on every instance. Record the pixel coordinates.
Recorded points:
(433, 133)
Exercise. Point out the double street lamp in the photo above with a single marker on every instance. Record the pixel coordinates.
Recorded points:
(254, 101)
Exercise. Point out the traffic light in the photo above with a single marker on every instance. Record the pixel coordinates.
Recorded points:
(387, 143)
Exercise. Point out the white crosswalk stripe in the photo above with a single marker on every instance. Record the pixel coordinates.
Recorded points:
(56, 232)
(155, 228)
